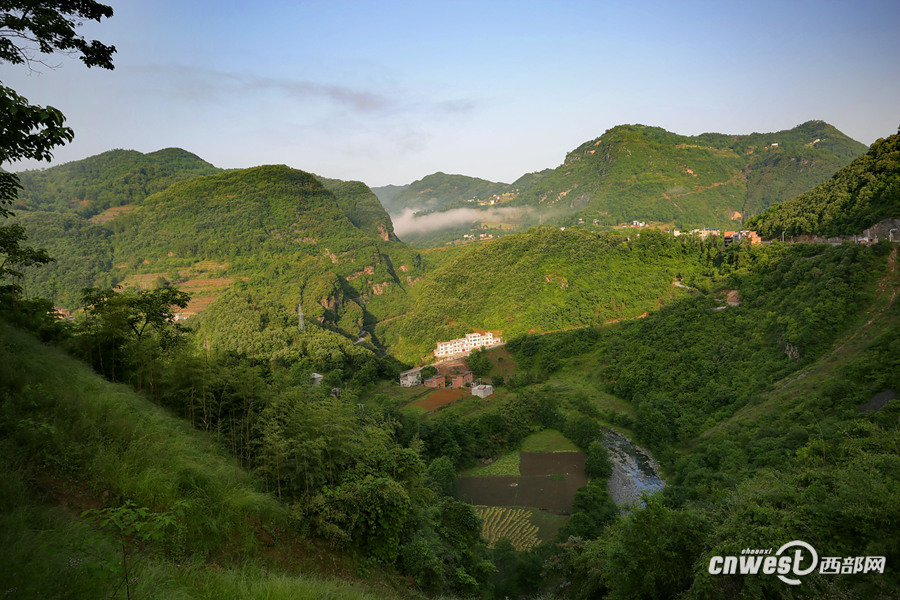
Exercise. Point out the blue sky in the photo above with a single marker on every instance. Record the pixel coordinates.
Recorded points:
(387, 92)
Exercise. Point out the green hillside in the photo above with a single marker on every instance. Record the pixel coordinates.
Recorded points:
(760, 377)
(82, 251)
(543, 280)
(267, 239)
(635, 172)
(114, 178)
(285, 236)
(858, 196)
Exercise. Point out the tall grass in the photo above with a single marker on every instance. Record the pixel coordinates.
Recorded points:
(122, 446)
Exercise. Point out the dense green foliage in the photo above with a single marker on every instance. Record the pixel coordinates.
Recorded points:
(68, 437)
(758, 424)
(855, 198)
(114, 178)
(699, 359)
(82, 253)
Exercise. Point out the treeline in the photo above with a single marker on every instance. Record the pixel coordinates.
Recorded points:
(855, 198)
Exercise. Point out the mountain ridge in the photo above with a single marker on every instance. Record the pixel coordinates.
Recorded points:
(646, 173)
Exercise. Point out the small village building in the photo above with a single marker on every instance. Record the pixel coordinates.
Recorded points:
(437, 381)
(411, 378)
(316, 378)
(752, 236)
(483, 390)
(460, 381)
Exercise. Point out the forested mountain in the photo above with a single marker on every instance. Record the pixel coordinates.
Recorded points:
(649, 174)
(439, 192)
(856, 197)
(262, 241)
(114, 178)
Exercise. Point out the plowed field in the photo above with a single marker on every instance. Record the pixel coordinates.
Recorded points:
(548, 482)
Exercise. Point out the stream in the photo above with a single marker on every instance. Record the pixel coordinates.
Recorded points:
(634, 470)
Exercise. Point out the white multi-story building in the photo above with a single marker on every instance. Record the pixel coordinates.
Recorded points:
(466, 344)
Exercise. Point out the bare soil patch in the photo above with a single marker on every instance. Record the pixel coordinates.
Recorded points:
(440, 398)
(552, 463)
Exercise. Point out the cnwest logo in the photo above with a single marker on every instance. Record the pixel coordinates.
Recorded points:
(802, 561)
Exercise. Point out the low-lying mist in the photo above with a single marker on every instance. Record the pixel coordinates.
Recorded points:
(407, 222)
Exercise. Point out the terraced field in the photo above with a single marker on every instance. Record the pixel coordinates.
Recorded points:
(513, 524)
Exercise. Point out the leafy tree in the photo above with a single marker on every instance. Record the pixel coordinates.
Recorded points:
(130, 329)
(596, 464)
(28, 32)
(139, 311)
(479, 363)
(440, 476)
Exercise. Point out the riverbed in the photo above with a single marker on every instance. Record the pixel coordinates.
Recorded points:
(634, 470)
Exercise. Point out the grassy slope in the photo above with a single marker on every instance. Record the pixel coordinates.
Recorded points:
(72, 441)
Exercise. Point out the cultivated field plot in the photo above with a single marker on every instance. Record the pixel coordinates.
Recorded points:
(523, 527)
(440, 398)
(548, 482)
(513, 524)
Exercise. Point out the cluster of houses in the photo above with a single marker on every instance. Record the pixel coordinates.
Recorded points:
(413, 377)
(729, 237)
(481, 236)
